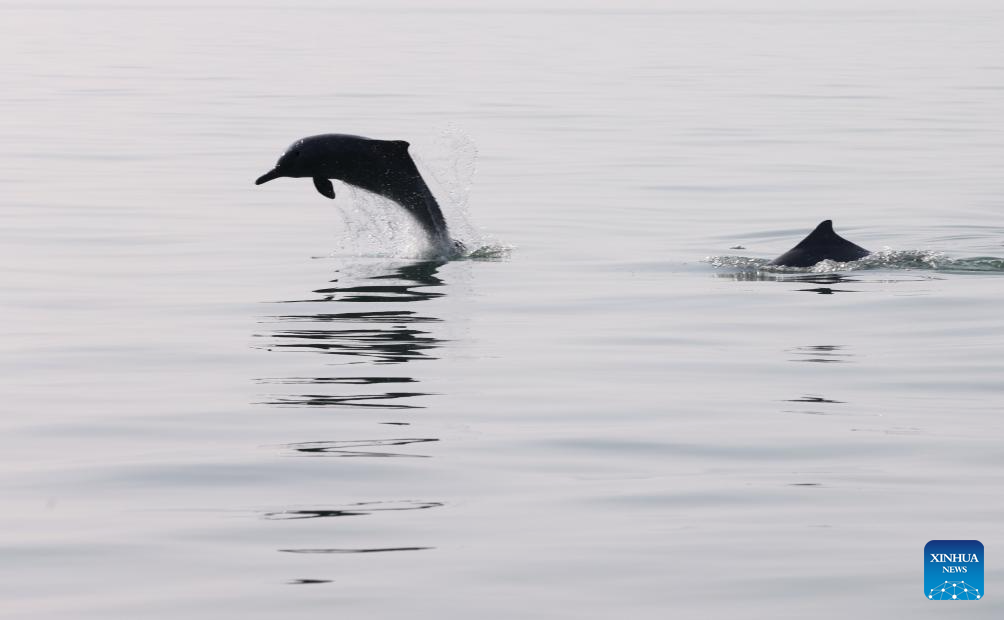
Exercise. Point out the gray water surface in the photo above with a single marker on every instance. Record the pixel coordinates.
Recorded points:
(229, 401)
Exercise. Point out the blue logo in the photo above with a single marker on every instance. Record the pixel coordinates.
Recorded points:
(953, 570)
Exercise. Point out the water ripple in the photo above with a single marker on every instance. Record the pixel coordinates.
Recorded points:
(351, 510)
(822, 353)
(347, 400)
(350, 447)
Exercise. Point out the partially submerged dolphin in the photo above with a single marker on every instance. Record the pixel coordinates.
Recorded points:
(821, 244)
(383, 167)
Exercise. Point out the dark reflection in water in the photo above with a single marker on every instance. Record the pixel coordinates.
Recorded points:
(823, 354)
(391, 333)
(384, 335)
(418, 276)
(350, 447)
(816, 400)
(806, 278)
(388, 346)
(826, 281)
(813, 399)
(359, 401)
(338, 380)
(362, 401)
(773, 276)
(825, 290)
(351, 510)
(304, 582)
(387, 316)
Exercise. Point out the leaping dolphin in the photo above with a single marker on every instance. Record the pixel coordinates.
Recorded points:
(821, 244)
(383, 167)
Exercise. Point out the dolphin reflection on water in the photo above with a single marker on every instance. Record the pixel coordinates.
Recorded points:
(364, 337)
(387, 334)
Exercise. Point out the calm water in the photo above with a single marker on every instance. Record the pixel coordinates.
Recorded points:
(228, 401)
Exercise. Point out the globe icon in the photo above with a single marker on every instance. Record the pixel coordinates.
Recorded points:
(954, 591)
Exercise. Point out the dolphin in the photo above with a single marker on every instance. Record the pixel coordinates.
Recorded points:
(821, 244)
(382, 167)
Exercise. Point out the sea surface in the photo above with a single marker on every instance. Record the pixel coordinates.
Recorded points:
(227, 401)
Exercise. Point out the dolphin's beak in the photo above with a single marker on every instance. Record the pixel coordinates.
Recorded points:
(268, 176)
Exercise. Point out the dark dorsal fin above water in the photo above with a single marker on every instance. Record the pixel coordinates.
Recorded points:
(325, 187)
(821, 244)
(392, 150)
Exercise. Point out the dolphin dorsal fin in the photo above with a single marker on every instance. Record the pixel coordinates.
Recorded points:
(824, 231)
(826, 226)
(394, 148)
(821, 244)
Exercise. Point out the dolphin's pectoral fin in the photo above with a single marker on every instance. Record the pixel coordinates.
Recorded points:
(325, 187)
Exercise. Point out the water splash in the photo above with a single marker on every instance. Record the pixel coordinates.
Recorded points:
(376, 227)
(449, 164)
(883, 259)
(490, 252)
(453, 162)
